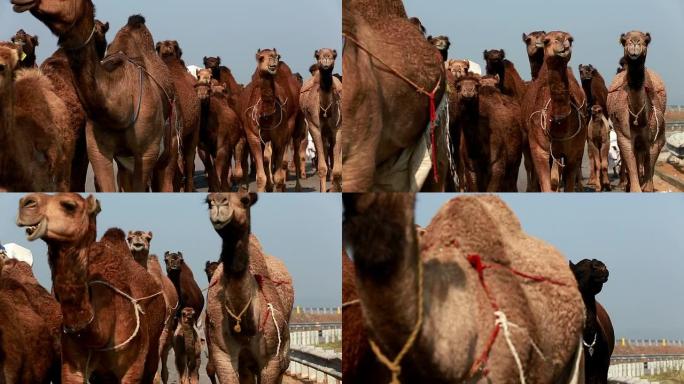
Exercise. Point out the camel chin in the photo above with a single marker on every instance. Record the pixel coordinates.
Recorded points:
(36, 231)
(20, 6)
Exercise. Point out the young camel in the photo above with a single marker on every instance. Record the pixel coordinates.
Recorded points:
(187, 348)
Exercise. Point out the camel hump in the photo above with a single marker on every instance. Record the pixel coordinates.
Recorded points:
(18, 270)
(33, 78)
(308, 85)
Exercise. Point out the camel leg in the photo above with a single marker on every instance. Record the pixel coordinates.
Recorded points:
(239, 169)
(72, 373)
(193, 368)
(144, 164)
(650, 159)
(257, 154)
(166, 344)
(337, 161)
(226, 365)
(594, 161)
(627, 154)
(605, 180)
(279, 166)
(570, 172)
(496, 177)
(543, 169)
(302, 156)
(272, 373)
(222, 169)
(102, 161)
(321, 155)
(189, 160)
(268, 166)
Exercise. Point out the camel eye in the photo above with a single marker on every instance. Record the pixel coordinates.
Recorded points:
(69, 205)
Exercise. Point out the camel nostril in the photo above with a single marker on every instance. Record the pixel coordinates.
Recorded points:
(29, 203)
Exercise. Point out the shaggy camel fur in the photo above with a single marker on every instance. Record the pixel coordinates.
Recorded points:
(467, 235)
(30, 328)
(224, 76)
(106, 334)
(534, 42)
(492, 135)
(384, 115)
(636, 105)
(599, 337)
(598, 142)
(554, 114)
(38, 143)
(268, 109)
(187, 348)
(510, 82)
(132, 130)
(189, 293)
(249, 299)
(139, 244)
(28, 44)
(189, 105)
(320, 102)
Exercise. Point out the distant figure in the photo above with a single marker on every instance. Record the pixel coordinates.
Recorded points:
(14, 251)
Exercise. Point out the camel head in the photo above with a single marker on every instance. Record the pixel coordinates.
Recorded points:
(231, 211)
(442, 44)
(458, 68)
(325, 58)
(169, 48)
(4, 258)
(187, 317)
(468, 87)
(139, 241)
(100, 38)
(586, 72)
(134, 40)
(590, 275)
(210, 268)
(558, 44)
(60, 218)
(212, 62)
(596, 111)
(534, 41)
(9, 60)
(267, 61)
(313, 69)
(58, 15)
(490, 81)
(494, 57)
(622, 65)
(635, 44)
(173, 260)
(28, 44)
(203, 85)
(299, 78)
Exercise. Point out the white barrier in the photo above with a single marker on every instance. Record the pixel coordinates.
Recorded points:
(644, 366)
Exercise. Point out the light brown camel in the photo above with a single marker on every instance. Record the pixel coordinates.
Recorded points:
(139, 244)
(187, 348)
(472, 242)
(30, 327)
(37, 141)
(636, 105)
(458, 68)
(220, 134)
(28, 44)
(268, 109)
(224, 76)
(596, 93)
(132, 130)
(113, 312)
(510, 82)
(554, 114)
(384, 114)
(320, 99)
(534, 42)
(250, 299)
(189, 105)
(598, 145)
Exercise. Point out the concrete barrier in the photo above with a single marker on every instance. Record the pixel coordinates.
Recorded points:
(315, 365)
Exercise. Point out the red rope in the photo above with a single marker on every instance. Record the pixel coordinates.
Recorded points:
(260, 280)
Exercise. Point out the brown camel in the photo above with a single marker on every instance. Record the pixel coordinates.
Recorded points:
(132, 130)
(220, 134)
(224, 76)
(554, 115)
(189, 105)
(187, 348)
(534, 42)
(210, 269)
(384, 115)
(458, 68)
(442, 44)
(30, 327)
(510, 82)
(28, 44)
(37, 141)
(320, 101)
(598, 142)
(139, 244)
(596, 93)
(636, 105)
(189, 293)
(268, 109)
(467, 261)
(113, 312)
(249, 299)
(492, 135)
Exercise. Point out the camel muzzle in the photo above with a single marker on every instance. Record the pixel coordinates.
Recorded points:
(20, 6)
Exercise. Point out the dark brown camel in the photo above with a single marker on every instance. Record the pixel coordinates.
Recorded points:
(596, 93)
(554, 114)
(384, 114)
(28, 44)
(189, 105)
(187, 348)
(38, 143)
(510, 82)
(113, 312)
(598, 146)
(30, 327)
(268, 110)
(224, 76)
(534, 42)
(598, 337)
(189, 293)
(492, 135)
(132, 130)
(442, 44)
(636, 105)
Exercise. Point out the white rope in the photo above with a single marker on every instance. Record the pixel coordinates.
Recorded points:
(270, 308)
(655, 112)
(502, 321)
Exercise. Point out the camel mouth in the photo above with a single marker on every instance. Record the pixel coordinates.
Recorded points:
(635, 56)
(138, 247)
(539, 45)
(20, 6)
(35, 231)
(272, 69)
(441, 45)
(563, 54)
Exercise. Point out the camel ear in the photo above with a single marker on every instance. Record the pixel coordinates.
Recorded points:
(105, 27)
(498, 79)
(207, 264)
(525, 37)
(180, 255)
(166, 255)
(623, 39)
(205, 61)
(648, 39)
(317, 54)
(503, 54)
(93, 205)
(484, 54)
(572, 266)
(149, 235)
(258, 58)
(34, 40)
(158, 46)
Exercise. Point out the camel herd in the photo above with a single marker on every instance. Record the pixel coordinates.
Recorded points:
(113, 314)
(132, 105)
(395, 127)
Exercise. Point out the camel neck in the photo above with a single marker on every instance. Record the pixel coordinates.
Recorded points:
(141, 257)
(266, 85)
(536, 62)
(445, 54)
(29, 61)
(559, 87)
(636, 73)
(591, 323)
(7, 101)
(326, 79)
(498, 68)
(235, 251)
(586, 86)
(216, 73)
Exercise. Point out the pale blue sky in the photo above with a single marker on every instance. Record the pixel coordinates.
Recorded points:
(474, 26)
(303, 231)
(639, 238)
(232, 29)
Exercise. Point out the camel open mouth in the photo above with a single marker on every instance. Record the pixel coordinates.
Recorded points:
(563, 54)
(138, 247)
(272, 69)
(20, 6)
(35, 231)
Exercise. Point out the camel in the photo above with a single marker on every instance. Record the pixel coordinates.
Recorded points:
(636, 105)
(510, 82)
(268, 109)
(622, 66)
(139, 244)
(189, 293)
(187, 348)
(598, 142)
(458, 68)
(474, 263)
(492, 135)
(224, 76)
(595, 92)
(210, 269)
(384, 115)
(34, 129)
(320, 101)
(113, 312)
(250, 299)
(220, 133)
(28, 44)
(132, 130)
(442, 44)
(30, 327)
(171, 53)
(598, 337)
(553, 112)
(534, 42)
